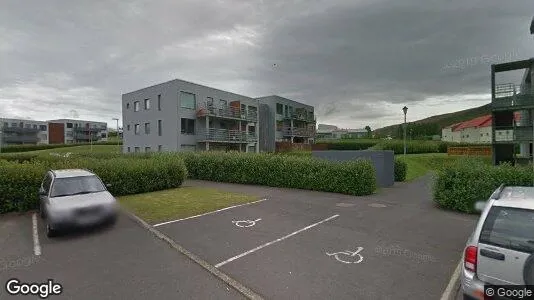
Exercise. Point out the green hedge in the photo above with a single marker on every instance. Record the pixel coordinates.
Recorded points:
(347, 145)
(459, 185)
(25, 148)
(19, 183)
(355, 178)
(400, 169)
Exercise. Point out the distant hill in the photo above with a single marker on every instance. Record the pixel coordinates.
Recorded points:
(435, 123)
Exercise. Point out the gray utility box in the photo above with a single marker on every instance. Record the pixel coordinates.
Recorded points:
(384, 162)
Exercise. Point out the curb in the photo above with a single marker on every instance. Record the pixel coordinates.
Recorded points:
(248, 293)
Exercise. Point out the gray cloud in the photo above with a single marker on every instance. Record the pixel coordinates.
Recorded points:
(358, 62)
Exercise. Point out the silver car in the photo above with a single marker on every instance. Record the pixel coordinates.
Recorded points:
(74, 198)
(500, 250)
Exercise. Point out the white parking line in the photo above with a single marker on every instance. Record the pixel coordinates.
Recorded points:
(36, 245)
(209, 213)
(273, 242)
(447, 294)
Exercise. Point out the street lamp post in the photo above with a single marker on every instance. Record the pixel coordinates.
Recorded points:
(405, 110)
(118, 137)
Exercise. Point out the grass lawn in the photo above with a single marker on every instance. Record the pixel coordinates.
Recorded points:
(420, 164)
(180, 203)
(84, 148)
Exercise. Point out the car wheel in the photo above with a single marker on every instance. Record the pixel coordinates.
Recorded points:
(50, 232)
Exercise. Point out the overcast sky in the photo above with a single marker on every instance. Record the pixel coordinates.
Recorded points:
(357, 61)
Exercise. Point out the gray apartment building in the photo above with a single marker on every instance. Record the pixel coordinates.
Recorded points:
(21, 131)
(182, 116)
(71, 131)
(285, 120)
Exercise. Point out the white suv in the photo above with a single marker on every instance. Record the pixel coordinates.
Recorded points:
(500, 250)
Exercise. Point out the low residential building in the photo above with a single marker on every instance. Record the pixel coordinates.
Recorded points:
(21, 131)
(285, 120)
(450, 134)
(477, 131)
(182, 116)
(333, 132)
(70, 131)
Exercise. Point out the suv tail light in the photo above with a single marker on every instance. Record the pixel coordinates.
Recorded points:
(470, 258)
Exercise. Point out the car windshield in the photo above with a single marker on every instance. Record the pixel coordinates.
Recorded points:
(510, 228)
(76, 185)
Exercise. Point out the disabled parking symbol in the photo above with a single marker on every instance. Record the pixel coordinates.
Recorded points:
(348, 257)
(245, 223)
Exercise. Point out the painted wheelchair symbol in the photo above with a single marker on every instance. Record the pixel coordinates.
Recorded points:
(245, 223)
(348, 255)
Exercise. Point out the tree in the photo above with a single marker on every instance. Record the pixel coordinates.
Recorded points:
(368, 129)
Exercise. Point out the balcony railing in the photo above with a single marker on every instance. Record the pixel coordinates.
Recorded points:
(512, 95)
(300, 117)
(19, 130)
(298, 131)
(225, 135)
(18, 139)
(228, 112)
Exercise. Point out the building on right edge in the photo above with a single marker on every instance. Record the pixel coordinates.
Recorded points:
(513, 110)
(285, 120)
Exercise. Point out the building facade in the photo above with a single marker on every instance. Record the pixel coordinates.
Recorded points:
(20, 131)
(70, 131)
(333, 132)
(182, 116)
(513, 111)
(285, 120)
(476, 131)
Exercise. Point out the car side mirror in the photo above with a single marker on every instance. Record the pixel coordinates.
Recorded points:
(480, 205)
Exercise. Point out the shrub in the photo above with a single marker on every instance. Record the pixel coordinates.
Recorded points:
(355, 177)
(18, 157)
(412, 147)
(401, 169)
(25, 148)
(459, 185)
(19, 183)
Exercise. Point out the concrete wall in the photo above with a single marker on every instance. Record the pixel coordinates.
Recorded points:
(267, 129)
(170, 113)
(384, 162)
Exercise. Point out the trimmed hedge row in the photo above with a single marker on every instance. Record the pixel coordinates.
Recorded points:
(19, 183)
(345, 145)
(25, 148)
(354, 178)
(416, 147)
(459, 185)
(400, 170)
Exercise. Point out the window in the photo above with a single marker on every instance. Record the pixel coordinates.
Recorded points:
(187, 100)
(127, 105)
(128, 149)
(29, 126)
(21, 125)
(147, 128)
(160, 148)
(76, 185)
(209, 100)
(13, 124)
(69, 125)
(160, 127)
(103, 135)
(128, 127)
(42, 127)
(147, 104)
(159, 102)
(222, 103)
(147, 149)
(285, 110)
(188, 147)
(188, 126)
(137, 149)
(6, 124)
(136, 106)
(279, 109)
(34, 126)
(136, 128)
(509, 228)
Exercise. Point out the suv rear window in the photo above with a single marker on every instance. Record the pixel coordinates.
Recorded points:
(510, 228)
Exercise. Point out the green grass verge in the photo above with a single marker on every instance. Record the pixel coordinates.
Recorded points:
(420, 164)
(180, 203)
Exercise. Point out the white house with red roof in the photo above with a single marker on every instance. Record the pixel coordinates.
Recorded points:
(476, 131)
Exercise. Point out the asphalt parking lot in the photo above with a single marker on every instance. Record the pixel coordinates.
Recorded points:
(124, 262)
(311, 245)
(295, 244)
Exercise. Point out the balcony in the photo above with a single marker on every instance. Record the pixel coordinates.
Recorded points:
(225, 135)
(298, 131)
(512, 97)
(19, 130)
(226, 112)
(509, 134)
(20, 139)
(300, 115)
